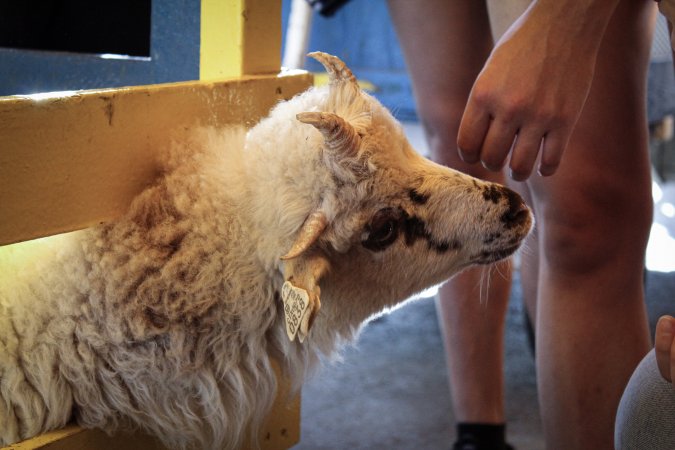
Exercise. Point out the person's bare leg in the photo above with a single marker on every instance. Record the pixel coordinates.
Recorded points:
(529, 261)
(592, 328)
(502, 14)
(594, 217)
(445, 44)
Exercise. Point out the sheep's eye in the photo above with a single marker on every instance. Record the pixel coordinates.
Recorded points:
(382, 230)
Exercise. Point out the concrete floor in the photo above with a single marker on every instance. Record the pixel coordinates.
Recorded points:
(390, 390)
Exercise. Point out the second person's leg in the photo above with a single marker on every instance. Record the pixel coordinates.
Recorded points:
(445, 44)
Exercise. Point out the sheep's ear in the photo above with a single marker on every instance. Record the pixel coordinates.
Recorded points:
(340, 137)
(309, 233)
(301, 292)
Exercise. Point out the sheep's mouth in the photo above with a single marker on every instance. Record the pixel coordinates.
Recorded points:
(489, 257)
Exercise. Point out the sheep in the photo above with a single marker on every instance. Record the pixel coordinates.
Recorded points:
(274, 244)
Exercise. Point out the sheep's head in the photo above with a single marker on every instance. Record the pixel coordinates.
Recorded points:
(391, 223)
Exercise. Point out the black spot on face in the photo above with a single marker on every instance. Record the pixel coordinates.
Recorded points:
(414, 228)
(444, 246)
(516, 213)
(493, 193)
(455, 245)
(417, 198)
(388, 223)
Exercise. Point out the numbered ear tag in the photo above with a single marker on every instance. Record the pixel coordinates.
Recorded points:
(304, 326)
(296, 303)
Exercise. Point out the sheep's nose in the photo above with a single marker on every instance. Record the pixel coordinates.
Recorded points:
(517, 212)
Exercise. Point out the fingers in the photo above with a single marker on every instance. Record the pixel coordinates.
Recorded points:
(664, 347)
(471, 134)
(497, 144)
(523, 158)
(491, 141)
(552, 149)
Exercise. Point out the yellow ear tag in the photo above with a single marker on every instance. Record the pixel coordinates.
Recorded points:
(296, 303)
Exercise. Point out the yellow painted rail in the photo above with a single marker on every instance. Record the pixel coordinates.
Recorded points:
(70, 162)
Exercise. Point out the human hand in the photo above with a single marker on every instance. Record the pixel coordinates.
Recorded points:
(531, 92)
(664, 347)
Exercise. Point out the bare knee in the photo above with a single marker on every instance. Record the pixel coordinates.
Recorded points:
(596, 233)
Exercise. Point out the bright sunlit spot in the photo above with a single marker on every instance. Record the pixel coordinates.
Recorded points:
(661, 246)
(660, 250)
(657, 192)
(428, 293)
(668, 210)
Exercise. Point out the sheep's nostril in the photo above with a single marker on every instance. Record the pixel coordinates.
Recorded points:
(516, 217)
(517, 212)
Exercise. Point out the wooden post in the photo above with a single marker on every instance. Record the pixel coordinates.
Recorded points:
(239, 37)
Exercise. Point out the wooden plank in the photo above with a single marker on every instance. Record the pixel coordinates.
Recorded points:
(239, 37)
(70, 161)
(73, 437)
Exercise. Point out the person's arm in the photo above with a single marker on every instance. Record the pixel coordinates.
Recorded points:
(534, 86)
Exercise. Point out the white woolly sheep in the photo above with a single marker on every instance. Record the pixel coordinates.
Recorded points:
(167, 318)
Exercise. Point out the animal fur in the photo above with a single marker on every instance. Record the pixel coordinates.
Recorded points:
(167, 319)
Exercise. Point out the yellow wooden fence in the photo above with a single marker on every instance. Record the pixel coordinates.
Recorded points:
(71, 161)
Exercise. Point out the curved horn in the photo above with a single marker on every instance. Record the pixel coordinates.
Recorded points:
(338, 72)
(309, 233)
(339, 135)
